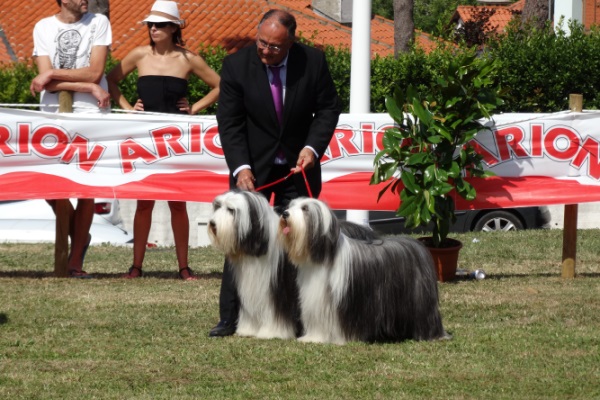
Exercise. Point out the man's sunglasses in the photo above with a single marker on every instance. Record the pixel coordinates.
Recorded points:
(158, 25)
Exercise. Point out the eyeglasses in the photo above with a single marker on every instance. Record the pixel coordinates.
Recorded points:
(158, 25)
(266, 46)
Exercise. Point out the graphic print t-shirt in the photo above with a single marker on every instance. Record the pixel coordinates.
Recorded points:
(69, 46)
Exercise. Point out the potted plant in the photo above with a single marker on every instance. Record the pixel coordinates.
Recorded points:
(428, 156)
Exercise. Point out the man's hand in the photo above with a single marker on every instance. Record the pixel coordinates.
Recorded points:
(306, 160)
(39, 82)
(245, 180)
(101, 95)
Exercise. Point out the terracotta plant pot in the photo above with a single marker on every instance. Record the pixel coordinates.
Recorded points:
(445, 258)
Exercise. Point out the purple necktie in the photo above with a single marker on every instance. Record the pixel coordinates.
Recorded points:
(277, 92)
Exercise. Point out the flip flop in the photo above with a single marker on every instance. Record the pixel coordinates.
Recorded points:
(79, 274)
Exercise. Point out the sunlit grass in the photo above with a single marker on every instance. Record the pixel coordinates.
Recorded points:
(523, 332)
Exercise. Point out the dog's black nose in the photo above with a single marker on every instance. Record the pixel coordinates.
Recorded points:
(285, 214)
(211, 223)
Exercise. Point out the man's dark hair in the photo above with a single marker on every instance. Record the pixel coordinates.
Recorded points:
(284, 18)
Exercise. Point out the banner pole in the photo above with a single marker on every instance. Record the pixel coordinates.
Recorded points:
(63, 208)
(569, 253)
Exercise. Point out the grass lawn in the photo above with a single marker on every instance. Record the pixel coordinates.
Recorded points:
(521, 333)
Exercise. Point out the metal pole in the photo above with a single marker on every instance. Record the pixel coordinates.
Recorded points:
(360, 76)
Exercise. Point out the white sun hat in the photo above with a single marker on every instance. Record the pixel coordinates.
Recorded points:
(164, 11)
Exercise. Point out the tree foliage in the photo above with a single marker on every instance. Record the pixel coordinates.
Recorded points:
(428, 15)
(477, 30)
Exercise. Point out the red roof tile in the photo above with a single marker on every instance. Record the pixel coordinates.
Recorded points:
(499, 20)
(228, 23)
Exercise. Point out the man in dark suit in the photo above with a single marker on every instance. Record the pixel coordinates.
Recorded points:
(262, 145)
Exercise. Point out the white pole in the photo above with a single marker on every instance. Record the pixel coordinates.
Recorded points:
(360, 76)
(360, 69)
(569, 10)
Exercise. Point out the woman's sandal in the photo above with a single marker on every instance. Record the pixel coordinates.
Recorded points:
(130, 273)
(79, 274)
(190, 276)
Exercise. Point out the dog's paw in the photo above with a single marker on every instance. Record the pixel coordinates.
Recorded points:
(276, 333)
(312, 339)
(246, 331)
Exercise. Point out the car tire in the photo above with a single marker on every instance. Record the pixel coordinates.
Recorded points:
(498, 221)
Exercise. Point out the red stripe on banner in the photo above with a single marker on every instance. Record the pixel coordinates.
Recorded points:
(350, 191)
(201, 186)
(353, 191)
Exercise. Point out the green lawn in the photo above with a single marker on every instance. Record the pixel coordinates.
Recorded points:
(523, 332)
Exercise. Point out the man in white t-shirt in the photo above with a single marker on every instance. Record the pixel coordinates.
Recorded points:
(70, 50)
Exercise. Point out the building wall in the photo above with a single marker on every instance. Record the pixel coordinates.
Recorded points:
(591, 12)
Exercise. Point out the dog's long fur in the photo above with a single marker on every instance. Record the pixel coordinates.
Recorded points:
(355, 290)
(244, 227)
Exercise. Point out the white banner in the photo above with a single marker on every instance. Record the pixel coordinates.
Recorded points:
(539, 159)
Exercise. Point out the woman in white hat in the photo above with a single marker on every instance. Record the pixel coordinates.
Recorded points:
(163, 69)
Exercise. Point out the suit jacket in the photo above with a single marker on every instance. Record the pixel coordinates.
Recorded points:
(248, 127)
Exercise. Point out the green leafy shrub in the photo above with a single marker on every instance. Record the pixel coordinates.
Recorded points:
(14, 83)
(430, 148)
(540, 68)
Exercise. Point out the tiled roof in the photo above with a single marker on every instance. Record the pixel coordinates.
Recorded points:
(5, 53)
(228, 23)
(499, 19)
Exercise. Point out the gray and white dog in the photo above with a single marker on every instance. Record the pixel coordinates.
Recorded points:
(244, 227)
(380, 290)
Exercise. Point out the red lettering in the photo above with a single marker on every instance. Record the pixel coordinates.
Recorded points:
(49, 141)
(570, 138)
(196, 138)
(23, 141)
(366, 129)
(509, 141)
(79, 148)
(341, 140)
(166, 139)
(590, 151)
(536, 140)
(130, 151)
(210, 142)
(5, 149)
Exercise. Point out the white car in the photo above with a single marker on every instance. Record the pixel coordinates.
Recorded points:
(33, 221)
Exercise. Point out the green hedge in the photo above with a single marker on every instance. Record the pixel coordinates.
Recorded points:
(539, 70)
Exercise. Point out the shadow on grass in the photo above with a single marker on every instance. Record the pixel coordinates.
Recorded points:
(218, 275)
(533, 275)
(3, 319)
(119, 275)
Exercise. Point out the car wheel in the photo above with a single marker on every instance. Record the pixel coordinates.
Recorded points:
(496, 221)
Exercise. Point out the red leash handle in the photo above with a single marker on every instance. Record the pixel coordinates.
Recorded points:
(284, 178)
(306, 183)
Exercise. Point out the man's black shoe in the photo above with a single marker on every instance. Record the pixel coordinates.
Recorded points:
(223, 328)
